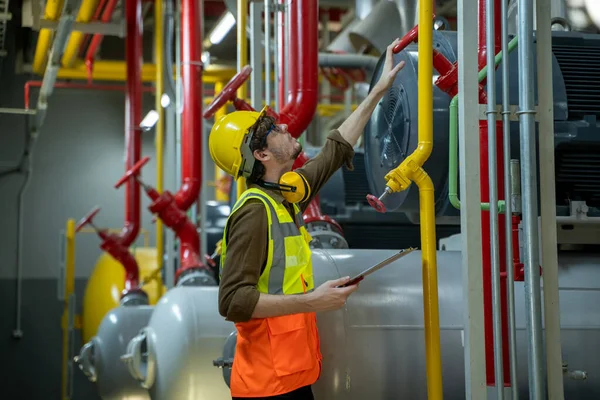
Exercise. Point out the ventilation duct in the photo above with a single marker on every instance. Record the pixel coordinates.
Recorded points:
(369, 37)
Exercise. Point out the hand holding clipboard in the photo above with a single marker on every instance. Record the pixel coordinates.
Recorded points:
(378, 266)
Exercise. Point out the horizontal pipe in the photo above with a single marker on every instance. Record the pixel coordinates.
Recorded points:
(348, 61)
(69, 85)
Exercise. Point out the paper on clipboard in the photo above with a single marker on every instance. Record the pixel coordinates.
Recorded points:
(377, 266)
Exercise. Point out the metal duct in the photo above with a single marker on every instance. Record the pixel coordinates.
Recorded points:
(342, 43)
(368, 35)
(348, 61)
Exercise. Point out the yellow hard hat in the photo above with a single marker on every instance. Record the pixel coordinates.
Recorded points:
(229, 142)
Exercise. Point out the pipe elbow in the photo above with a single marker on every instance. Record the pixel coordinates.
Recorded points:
(188, 193)
(129, 233)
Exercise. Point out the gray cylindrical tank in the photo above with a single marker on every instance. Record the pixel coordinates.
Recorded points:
(184, 336)
(374, 347)
(99, 359)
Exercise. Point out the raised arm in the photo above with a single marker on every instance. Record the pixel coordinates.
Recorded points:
(353, 126)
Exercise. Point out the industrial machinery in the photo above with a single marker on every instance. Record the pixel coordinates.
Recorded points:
(372, 348)
(391, 133)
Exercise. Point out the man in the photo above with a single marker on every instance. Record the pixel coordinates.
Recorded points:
(267, 285)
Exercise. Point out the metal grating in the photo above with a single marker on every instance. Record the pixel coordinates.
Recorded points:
(578, 173)
(355, 182)
(579, 61)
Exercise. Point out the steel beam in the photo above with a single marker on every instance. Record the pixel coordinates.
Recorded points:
(470, 214)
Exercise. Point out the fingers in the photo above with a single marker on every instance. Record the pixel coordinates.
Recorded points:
(398, 67)
(338, 282)
(392, 45)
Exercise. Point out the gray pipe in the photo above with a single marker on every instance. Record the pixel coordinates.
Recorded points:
(537, 389)
(268, 52)
(508, 194)
(348, 61)
(493, 189)
(276, 46)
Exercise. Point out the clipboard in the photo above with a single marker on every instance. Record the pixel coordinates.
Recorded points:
(378, 266)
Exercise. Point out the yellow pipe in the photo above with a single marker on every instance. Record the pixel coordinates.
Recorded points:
(116, 71)
(69, 289)
(86, 12)
(242, 9)
(51, 13)
(160, 130)
(219, 174)
(411, 169)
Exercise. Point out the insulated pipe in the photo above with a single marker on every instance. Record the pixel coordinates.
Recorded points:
(86, 12)
(537, 389)
(133, 117)
(493, 199)
(191, 119)
(510, 287)
(348, 61)
(303, 82)
(498, 160)
(97, 38)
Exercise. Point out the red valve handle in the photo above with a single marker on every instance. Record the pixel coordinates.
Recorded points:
(411, 36)
(228, 92)
(133, 171)
(376, 203)
(87, 219)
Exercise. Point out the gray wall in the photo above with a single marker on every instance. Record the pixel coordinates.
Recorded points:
(77, 160)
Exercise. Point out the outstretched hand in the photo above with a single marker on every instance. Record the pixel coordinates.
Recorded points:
(389, 70)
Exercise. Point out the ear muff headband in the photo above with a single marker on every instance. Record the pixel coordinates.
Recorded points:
(292, 185)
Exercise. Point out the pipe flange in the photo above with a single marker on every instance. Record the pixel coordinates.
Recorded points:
(136, 297)
(86, 360)
(325, 236)
(196, 277)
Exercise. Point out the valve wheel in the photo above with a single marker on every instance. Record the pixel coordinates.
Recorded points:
(133, 171)
(88, 219)
(228, 92)
(376, 203)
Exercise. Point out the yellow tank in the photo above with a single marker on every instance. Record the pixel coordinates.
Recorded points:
(103, 290)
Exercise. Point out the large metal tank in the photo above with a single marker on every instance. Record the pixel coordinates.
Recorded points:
(99, 359)
(392, 132)
(373, 348)
(173, 356)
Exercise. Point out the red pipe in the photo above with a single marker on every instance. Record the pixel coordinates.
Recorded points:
(191, 133)
(133, 117)
(303, 70)
(485, 215)
(191, 130)
(96, 16)
(97, 39)
(69, 85)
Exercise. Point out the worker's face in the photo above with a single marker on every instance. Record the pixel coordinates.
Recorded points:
(284, 148)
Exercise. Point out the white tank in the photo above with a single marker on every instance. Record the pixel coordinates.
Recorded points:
(374, 347)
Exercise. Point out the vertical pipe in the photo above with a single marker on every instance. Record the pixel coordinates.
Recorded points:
(160, 126)
(277, 55)
(510, 287)
(242, 57)
(268, 52)
(256, 55)
(470, 214)
(484, 48)
(69, 289)
(133, 117)
(191, 132)
(493, 200)
(529, 201)
(220, 195)
(547, 204)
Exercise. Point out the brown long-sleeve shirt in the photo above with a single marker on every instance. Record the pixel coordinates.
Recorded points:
(247, 231)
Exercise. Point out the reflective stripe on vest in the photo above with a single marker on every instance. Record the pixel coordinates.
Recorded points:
(289, 266)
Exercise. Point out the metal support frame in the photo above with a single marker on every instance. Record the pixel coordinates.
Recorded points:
(106, 29)
(549, 256)
(470, 215)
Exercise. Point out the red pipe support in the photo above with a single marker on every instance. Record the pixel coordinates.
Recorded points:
(485, 215)
(304, 53)
(97, 38)
(191, 130)
(68, 85)
(133, 117)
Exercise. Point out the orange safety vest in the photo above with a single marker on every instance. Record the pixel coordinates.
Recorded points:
(279, 354)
